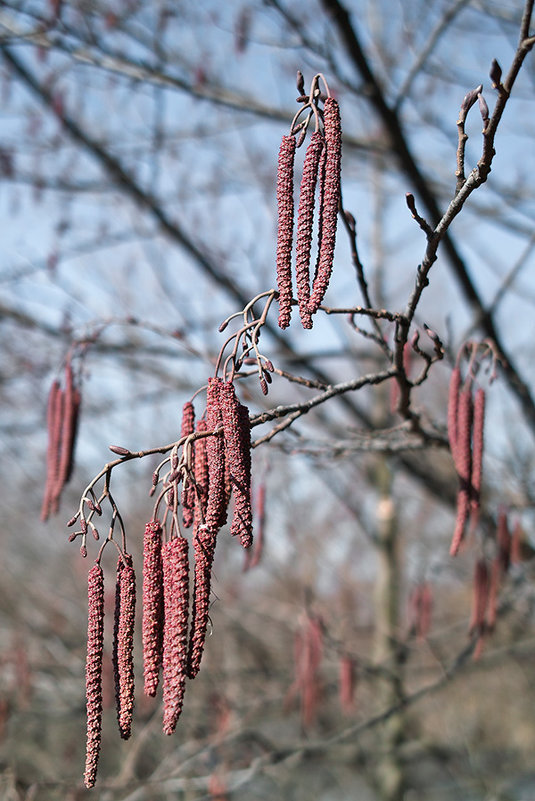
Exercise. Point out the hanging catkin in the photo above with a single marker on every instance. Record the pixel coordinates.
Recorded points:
(152, 623)
(285, 203)
(93, 671)
(305, 222)
(175, 641)
(237, 435)
(331, 201)
(123, 645)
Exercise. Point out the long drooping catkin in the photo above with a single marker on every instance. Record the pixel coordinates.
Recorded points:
(53, 423)
(331, 201)
(204, 542)
(237, 435)
(175, 642)
(477, 456)
(152, 625)
(201, 474)
(480, 595)
(305, 222)
(123, 645)
(464, 466)
(216, 509)
(188, 490)
(285, 203)
(453, 410)
(93, 671)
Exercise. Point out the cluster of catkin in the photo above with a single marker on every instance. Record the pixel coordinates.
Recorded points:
(321, 175)
(466, 418)
(62, 423)
(216, 465)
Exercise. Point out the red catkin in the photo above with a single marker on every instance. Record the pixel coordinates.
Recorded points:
(152, 624)
(453, 410)
(464, 466)
(285, 203)
(54, 429)
(204, 542)
(237, 436)
(175, 640)
(477, 456)
(216, 509)
(331, 201)
(123, 645)
(305, 221)
(93, 671)
(188, 490)
(201, 474)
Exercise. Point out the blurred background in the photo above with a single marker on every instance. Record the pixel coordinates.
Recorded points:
(138, 165)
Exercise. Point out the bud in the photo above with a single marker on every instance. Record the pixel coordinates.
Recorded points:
(119, 450)
(300, 83)
(495, 74)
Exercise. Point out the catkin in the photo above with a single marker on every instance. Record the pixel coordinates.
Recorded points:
(305, 222)
(52, 454)
(464, 466)
(237, 436)
(216, 509)
(201, 474)
(93, 671)
(175, 641)
(152, 624)
(453, 410)
(188, 490)
(285, 202)
(331, 201)
(477, 455)
(123, 645)
(204, 542)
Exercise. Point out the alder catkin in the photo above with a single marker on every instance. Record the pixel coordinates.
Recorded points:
(204, 542)
(453, 410)
(188, 490)
(305, 222)
(237, 436)
(331, 201)
(285, 203)
(52, 453)
(477, 455)
(464, 466)
(123, 645)
(152, 624)
(216, 509)
(93, 671)
(175, 640)
(201, 474)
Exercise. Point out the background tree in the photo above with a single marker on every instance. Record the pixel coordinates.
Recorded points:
(139, 160)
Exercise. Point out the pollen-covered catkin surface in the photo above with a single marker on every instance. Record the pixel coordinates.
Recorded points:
(464, 466)
(201, 474)
(175, 644)
(216, 509)
(237, 436)
(285, 203)
(124, 644)
(152, 622)
(204, 542)
(305, 222)
(93, 671)
(331, 201)
(477, 454)
(188, 490)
